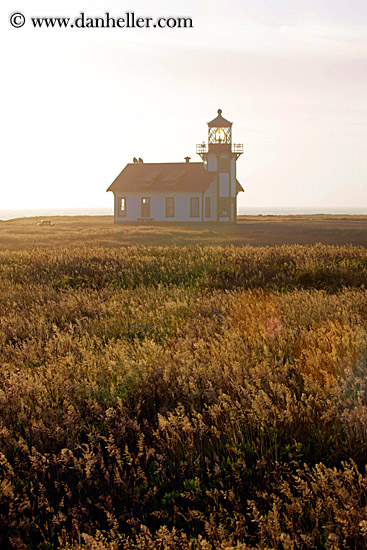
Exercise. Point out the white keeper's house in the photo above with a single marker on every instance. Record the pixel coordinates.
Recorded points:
(183, 191)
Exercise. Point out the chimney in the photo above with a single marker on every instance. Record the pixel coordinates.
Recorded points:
(187, 159)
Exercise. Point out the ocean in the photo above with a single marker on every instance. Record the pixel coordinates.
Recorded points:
(295, 210)
(249, 211)
(11, 214)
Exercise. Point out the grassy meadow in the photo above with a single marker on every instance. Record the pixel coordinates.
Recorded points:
(184, 396)
(81, 231)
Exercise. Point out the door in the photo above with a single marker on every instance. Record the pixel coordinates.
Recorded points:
(145, 207)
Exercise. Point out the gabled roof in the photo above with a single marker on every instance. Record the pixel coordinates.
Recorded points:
(219, 121)
(163, 177)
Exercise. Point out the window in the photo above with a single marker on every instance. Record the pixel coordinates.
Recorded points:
(223, 164)
(170, 207)
(121, 202)
(194, 207)
(207, 207)
(224, 206)
(145, 207)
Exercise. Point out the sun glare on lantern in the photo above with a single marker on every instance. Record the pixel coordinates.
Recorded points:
(219, 135)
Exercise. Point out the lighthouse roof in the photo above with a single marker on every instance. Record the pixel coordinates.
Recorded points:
(219, 121)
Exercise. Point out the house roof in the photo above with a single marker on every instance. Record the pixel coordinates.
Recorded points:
(162, 177)
(219, 121)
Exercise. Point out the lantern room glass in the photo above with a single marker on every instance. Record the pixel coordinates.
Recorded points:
(220, 135)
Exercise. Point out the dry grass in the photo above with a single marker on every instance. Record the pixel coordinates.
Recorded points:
(183, 397)
(255, 230)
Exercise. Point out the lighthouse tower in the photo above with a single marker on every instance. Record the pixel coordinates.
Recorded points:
(220, 156)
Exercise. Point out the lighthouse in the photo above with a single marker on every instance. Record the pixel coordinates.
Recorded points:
(220, 156)
(205, 191)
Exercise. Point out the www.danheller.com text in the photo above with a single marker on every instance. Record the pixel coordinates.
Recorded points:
(128, 20)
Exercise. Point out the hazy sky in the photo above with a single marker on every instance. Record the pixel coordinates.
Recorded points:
(78, 104)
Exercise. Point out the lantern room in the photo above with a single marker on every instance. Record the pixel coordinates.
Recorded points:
(219, 130)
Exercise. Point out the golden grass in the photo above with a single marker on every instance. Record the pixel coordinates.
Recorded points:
(183, 397)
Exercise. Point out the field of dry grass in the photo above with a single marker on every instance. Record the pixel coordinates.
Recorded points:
(173, 398)
(254, 230)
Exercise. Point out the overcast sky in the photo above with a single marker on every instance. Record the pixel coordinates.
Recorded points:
(78, 104)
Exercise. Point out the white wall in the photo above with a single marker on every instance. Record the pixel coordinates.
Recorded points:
(233, 177)
(157, 206)
(212, 193)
